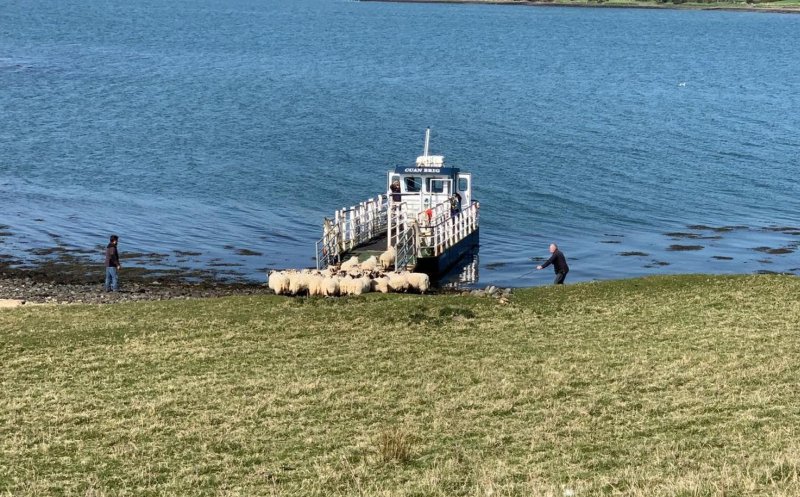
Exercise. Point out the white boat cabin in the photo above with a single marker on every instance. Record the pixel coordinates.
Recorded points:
(428, 183)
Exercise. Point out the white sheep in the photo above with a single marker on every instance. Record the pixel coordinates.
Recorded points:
(371, 264)
(315, 285)
(346, 285)
(420, 282)
(362, 285)
(298, 283)
(387, 258)
(273, 278)
(278, 282)
(330, 286)
(397, 282)
(380, 284)
(350, 263)
(354, 282)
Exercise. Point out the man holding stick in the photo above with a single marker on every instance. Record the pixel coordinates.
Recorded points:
(559, 263)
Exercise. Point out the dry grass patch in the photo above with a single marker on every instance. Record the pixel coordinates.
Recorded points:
(394, 445)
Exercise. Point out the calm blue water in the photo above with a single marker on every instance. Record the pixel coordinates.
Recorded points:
(214, 126)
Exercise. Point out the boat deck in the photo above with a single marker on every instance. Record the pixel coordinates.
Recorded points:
(375, 246)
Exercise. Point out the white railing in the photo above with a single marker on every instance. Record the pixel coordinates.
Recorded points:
(406, 249)
(350, 227)
(327, 247)
(439, 213)
(445, 230)
(413, 236)
(402, 235)
(398, 221)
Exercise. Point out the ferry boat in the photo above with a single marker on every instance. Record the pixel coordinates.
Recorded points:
(427, 214)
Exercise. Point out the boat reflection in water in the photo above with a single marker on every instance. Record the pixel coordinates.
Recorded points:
(463, 275)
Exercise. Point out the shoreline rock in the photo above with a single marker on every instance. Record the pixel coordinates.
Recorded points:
(27, 290)
(75, 282)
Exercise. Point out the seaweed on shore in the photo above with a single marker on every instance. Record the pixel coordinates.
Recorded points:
(680, 234)
(247, 252)
(684, 248)
(184, 253)
(788, 230)
(47, 251)
(149, 256)
(495, 265)
(692, 236)
(775, 251)
(718, 229)
(65, 266)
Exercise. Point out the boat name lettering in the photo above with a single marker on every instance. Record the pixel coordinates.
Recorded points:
(422, 170)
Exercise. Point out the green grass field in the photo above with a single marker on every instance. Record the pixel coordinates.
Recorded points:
(668, 386)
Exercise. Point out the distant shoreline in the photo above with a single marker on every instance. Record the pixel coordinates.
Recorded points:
(722, 6)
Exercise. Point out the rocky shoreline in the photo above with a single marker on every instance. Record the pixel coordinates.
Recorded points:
(27, 290)
(82, 283)
(61, 283)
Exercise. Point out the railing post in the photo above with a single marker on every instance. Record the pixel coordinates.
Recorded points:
(389, 223)
(371, 218)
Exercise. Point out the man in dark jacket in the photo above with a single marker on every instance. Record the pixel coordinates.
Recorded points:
(395, 189)
(112, 265)
(559, 263)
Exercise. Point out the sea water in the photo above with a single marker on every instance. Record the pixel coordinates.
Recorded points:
(217, 134)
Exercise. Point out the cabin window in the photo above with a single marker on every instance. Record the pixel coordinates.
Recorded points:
(437, 185)
(463, 184)
(413, 184)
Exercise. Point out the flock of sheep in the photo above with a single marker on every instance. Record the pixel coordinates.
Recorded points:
(351, 278)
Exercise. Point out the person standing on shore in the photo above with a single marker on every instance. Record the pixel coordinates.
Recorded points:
(112, 265)
(559, 263)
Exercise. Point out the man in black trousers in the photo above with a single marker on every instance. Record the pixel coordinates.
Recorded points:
(559, 263)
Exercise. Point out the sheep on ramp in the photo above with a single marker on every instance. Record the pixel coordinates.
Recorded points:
(371, 264)
(387, 258)
(351, 263)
